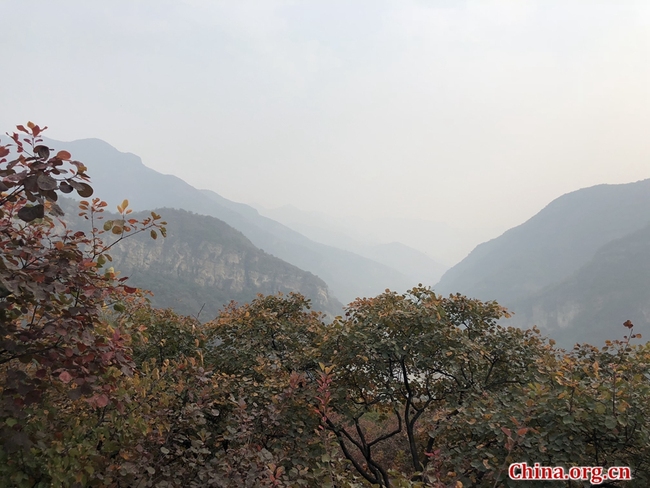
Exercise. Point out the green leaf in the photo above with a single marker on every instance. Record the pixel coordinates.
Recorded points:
(85, 191)
(31, 213)
(46, 182)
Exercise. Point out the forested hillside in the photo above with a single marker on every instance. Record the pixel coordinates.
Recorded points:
(612, 287)
(529, 264)
(203, 264)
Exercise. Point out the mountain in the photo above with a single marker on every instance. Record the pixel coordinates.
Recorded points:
(531, 268)
(592, 303)
(203, 264)
(415, 264)
(117, 175)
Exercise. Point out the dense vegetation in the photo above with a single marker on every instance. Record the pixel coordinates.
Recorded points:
(98, 388)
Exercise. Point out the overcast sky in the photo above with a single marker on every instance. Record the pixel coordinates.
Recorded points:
(465, 112)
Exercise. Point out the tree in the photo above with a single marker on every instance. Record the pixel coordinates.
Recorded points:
(270, 346)
(402, 362)
(55, 330)
(585, 407)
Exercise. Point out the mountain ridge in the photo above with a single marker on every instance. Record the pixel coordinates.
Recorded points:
(543, 270)
(117, 175)
(611, 217)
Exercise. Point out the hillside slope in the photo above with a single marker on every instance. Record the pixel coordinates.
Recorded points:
(116, 175)
(578, 269)
(415, 264)
(203, 263)
(552, 245)
(592, 303)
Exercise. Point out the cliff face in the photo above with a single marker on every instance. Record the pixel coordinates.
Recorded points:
(203, 263)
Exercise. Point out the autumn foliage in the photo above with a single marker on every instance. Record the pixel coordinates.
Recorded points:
(97, 388)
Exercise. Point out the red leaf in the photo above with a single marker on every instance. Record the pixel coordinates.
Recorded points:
(65, 377)
(64, 155)
(99, 401)
(102, 401)
(129, 289)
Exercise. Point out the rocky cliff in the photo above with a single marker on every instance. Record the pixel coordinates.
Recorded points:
(203, 263)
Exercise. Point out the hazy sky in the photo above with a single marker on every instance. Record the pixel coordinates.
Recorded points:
(467, 112)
